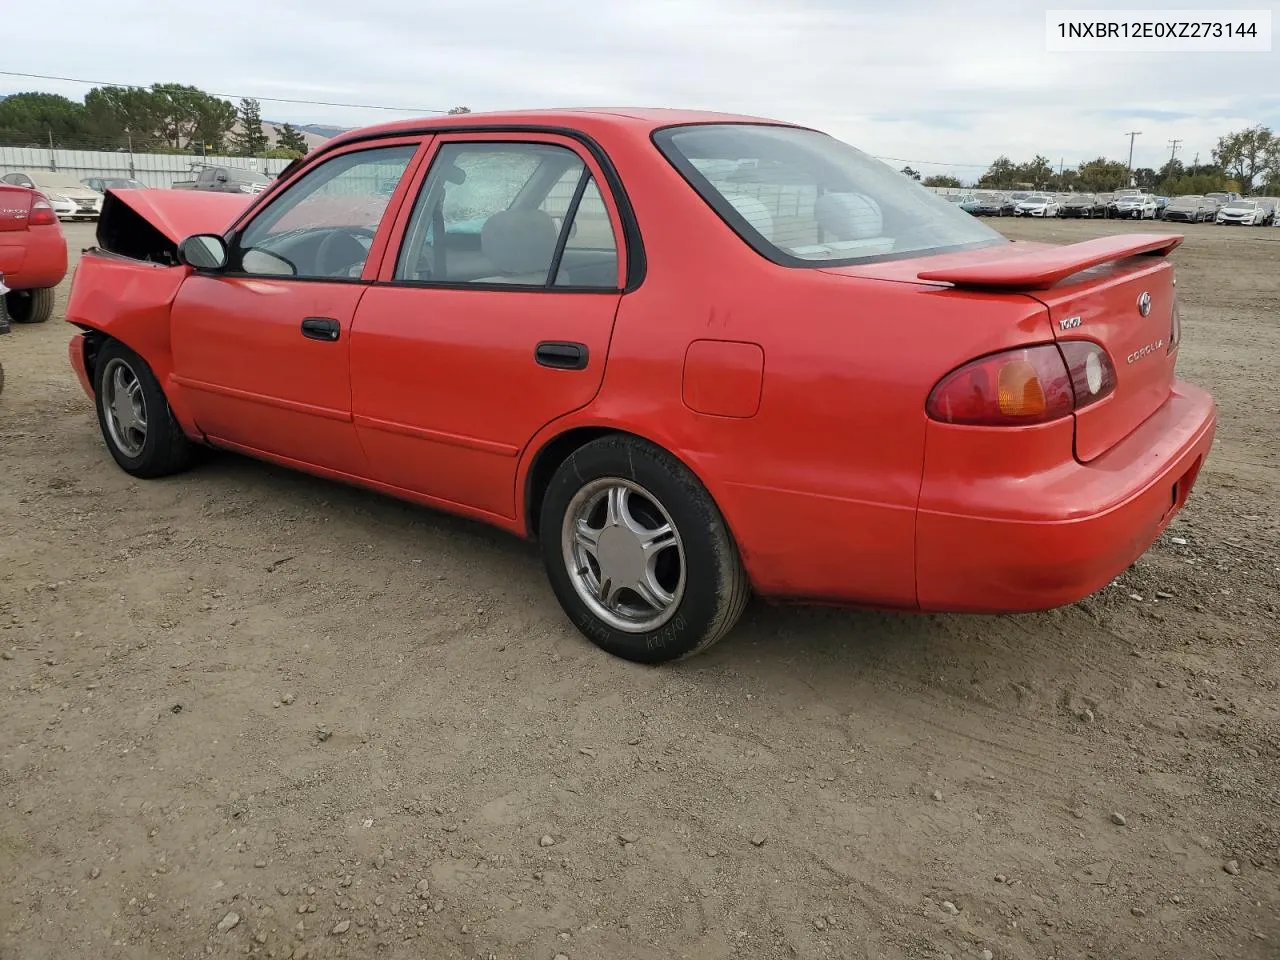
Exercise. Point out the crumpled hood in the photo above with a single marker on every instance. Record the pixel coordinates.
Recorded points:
(149, 224)
(179, 214)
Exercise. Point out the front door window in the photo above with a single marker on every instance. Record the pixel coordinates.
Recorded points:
(323, 225)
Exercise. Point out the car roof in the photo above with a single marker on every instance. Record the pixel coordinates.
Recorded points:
(585, 119)
(42, 176)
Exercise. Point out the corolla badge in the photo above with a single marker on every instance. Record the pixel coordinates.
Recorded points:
(1144, 303)
(1144, 352)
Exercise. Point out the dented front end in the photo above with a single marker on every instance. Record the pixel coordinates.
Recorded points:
(124, 286)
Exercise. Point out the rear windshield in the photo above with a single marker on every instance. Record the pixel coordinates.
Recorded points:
(803, 198)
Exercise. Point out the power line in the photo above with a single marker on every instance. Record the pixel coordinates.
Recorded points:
(228, 96)
(932, 163)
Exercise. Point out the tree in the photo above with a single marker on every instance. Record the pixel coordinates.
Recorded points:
(454, 111)
(1101, 175)
(941, 180)
(1145, 178)
(187, 117)
(129, 116)
(1000, 175)
(1197, 183)
(1172, 170)
(214, 119)
(282, 153)
(1036, 173)
(291, 138)
(30, 119)
(249, 140)
(908, 172)
(1245, 154)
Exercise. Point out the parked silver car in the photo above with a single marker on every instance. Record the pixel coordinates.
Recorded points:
(1191, 208)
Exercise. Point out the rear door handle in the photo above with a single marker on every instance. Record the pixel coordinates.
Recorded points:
(321, 328)
(561, 354)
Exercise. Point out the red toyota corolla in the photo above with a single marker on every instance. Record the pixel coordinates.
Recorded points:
(694, 355)
(33, 254)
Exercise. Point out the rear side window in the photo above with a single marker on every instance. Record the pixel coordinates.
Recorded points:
(803, 198)
(515, 214)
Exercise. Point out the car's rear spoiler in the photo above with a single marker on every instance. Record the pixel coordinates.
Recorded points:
(1041, 269)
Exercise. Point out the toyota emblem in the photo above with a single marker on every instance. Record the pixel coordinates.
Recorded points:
(1144, 303)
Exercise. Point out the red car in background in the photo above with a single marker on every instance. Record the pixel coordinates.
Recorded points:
(693, 355)
(33, 254)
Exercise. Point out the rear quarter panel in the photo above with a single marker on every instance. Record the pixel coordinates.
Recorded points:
(820, 485)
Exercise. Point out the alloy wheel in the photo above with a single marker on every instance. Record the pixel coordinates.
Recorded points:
(623, 554)
(125, 407)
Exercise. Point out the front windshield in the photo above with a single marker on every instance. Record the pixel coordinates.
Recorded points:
(1038, 198)
(800, 197)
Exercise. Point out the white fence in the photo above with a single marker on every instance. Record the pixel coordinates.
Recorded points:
(153, 169)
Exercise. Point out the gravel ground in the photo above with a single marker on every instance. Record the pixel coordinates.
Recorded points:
(250, 713)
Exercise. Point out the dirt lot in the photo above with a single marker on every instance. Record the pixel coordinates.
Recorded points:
(245, 693)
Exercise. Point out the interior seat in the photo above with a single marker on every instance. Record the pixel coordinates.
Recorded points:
(520, 243)
(848, 216)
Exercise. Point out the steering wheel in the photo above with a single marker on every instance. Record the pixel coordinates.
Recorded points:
(340, 250)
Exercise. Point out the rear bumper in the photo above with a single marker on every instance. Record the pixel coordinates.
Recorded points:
(1045, 539)
(34, 258)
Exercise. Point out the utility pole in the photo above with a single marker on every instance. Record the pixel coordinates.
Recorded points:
(1195, 164)
(1174, 151)
(1131, 135)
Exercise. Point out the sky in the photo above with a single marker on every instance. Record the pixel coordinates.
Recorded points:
(941, 86)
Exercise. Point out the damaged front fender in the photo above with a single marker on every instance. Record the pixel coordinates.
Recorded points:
(125, 287)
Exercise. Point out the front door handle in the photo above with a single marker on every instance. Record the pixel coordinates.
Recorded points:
(561, 354)
(321, 328)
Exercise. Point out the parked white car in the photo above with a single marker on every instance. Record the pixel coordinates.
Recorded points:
(71, 200)
(1037, 205)
(1137, 206)
(1247, 213)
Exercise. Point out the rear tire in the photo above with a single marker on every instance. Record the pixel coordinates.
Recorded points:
(134, 416)
(619, 511)
(30, 306)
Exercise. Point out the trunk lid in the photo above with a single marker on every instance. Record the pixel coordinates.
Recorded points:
(1105, 304)
(15, 207)
(1092, 291)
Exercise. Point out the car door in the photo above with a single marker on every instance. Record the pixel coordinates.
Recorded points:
(492, 316)
(261, 348)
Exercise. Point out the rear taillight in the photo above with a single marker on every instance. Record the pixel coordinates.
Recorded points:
(41, 214)
(1025, 386)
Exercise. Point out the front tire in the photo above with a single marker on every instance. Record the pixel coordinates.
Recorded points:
(30, 306)
(134, 416)
(638, 554)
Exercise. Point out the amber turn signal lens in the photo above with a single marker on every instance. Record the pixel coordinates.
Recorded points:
(1020, 392)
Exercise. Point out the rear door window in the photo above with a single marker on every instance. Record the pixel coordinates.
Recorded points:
(514, 214)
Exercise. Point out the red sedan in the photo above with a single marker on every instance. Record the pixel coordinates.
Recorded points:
(33, 254)
(693, 355)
